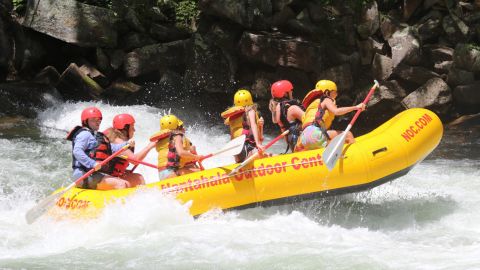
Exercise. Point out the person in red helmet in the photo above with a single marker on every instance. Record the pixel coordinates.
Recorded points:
(122, 130)
(287, 112)
(88, 151)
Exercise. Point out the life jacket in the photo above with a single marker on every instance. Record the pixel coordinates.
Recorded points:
(315, 114)
(102, 152)
(324, 117)
(233, 119)
(71, 137)
(173, 158)
(246, 129)
(294, 127)
(163, 147)
(163, 139)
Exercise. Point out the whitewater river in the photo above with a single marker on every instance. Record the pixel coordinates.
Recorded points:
(428, 219)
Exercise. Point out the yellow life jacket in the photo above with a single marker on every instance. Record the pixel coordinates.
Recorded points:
(163, 139)
(233, 119)
(311, 112)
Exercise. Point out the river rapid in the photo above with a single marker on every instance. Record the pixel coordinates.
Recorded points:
(427, 219)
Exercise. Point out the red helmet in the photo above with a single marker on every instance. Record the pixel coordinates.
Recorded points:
(280, 88)
(120, 120)
(91, 112)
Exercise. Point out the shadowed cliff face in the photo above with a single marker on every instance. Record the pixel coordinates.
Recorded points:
(423, 53)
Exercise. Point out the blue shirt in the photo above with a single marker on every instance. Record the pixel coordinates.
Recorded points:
(84, 143)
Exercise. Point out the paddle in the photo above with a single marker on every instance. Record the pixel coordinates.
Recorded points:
(233, 147)
(335, 147)
(254, 156)
(49, 201)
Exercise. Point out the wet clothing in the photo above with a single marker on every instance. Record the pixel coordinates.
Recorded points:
(312, 137)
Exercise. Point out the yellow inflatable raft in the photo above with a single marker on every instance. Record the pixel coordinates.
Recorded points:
(382, 155)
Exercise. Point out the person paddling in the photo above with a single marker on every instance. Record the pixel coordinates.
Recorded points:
(321, 110)
(176, 154)
(243, 118)
(89, 148)
(287, 112)
(122, 130)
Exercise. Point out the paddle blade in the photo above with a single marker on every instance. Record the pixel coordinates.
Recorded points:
(233, 147)
(334, 150)
(38, 210)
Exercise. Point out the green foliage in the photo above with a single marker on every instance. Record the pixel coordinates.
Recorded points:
(187, 13)
(19, 5)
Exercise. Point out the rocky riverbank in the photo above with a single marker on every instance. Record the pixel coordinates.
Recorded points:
(425, 53)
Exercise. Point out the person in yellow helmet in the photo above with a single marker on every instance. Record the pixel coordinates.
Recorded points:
(243, 118)
(320, 111)
(176, 154)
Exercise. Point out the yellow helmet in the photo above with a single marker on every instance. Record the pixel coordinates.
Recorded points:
(243, 98)
(325, 85)
(170, 121)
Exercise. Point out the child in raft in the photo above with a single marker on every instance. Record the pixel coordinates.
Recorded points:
(176, 154)
(243, 118)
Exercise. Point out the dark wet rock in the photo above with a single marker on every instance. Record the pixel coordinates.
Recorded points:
(95, 74)
(48, 76)
(166, 33)
(120, 90)
(415, 74)
(281, 18)
(116, 58)
(157, 15)
(282, 51)
(435, 94)
(250, 14)
(451, 25)
(442, 67)
(368, 48)
(72, 22)
(388, 26)
(279, 5)
(430, 26)
(25, 98)
(467, 97)
(167, 90)
(133, 22)
(155, 58)
(341, 75)
(207, 68)
(409, 8)
(459, 77)
(369, 20)
(133, 40)
(405, 47)
(467, 57)
(103, 61)
(465, 121)
(382, 67)
(74, 84)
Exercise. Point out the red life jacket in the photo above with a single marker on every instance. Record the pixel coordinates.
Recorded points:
(247, 130)
(173, 158)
